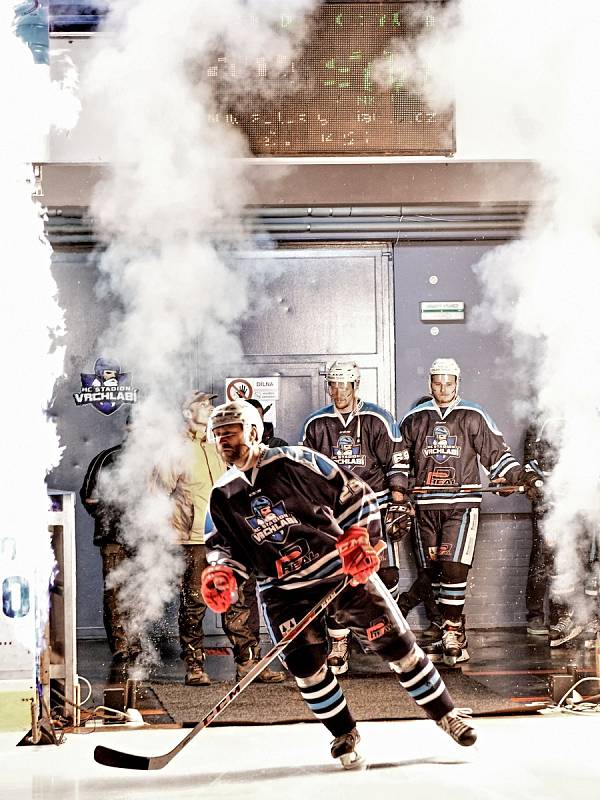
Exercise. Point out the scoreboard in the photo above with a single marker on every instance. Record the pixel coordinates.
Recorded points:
(344, 92)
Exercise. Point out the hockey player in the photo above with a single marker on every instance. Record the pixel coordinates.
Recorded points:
(446, 437)
(364, 438)
(326, 525)
(189, 484)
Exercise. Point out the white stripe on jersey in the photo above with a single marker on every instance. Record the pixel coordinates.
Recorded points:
(307, 576)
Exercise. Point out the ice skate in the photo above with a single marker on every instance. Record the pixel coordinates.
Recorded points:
(564, 630)
(456, 724)
(536, 626)
(343, 747)
(435, 651)
(337, 660)
(454, 644)
(431, 634)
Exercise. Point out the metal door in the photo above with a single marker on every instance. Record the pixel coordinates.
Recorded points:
(318, 305)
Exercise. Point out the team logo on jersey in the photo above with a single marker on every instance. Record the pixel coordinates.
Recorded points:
(105, 389)
(441, 446)
(347, 452)
(269, 520)
(293, 558)
(441, 476)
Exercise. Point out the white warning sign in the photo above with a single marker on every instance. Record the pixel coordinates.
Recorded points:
(264, 389)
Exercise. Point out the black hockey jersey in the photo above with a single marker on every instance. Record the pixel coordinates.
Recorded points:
(367, 442)
(281, 520)
(444, 446)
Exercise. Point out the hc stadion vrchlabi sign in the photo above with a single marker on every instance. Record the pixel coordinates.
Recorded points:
(31, 25)
(106, 388)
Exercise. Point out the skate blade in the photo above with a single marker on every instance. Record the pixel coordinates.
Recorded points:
(339, 670)
(452, 661)
(577, 631)
(352, 761)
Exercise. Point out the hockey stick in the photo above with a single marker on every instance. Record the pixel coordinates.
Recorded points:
(501, 487)
(115, 758)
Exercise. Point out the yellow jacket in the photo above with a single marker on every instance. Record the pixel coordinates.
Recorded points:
(190, 489)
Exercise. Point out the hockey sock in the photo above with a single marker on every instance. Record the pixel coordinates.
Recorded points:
(327, 702)
(451, 600)
(423, 683)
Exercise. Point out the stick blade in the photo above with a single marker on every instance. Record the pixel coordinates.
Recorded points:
(115, 758)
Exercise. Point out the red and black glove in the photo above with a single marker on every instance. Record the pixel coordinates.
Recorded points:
(219, 588)
(359, 558)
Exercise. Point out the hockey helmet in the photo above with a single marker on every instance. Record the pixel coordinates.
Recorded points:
(103, 364)
(344, 372)
(444, 366)
(238, 412)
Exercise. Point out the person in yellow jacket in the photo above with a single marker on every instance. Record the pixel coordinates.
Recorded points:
(190, 490)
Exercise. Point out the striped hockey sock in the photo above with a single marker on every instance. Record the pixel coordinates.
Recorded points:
(327, 702)
(425, 685)
(451, 599)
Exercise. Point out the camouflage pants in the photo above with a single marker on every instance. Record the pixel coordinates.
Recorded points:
(115, 618)
(192, 609)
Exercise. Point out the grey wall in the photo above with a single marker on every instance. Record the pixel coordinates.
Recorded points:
(83, 431)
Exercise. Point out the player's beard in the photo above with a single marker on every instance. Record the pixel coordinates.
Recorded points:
(239, 455)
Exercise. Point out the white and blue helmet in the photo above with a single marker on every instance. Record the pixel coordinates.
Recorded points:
(238, 412)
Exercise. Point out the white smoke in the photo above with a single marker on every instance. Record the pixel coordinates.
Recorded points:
(171, 214)
(30, 317)
(525, 80)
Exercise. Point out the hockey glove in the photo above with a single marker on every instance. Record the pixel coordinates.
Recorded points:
(532, 479)
(359, 558)
(219, 588)
(398, 520)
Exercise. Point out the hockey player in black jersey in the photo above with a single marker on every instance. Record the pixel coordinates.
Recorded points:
(364, 438)
(446, 438)
(299, 522)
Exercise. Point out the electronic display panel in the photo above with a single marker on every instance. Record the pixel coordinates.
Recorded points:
(344, 93)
